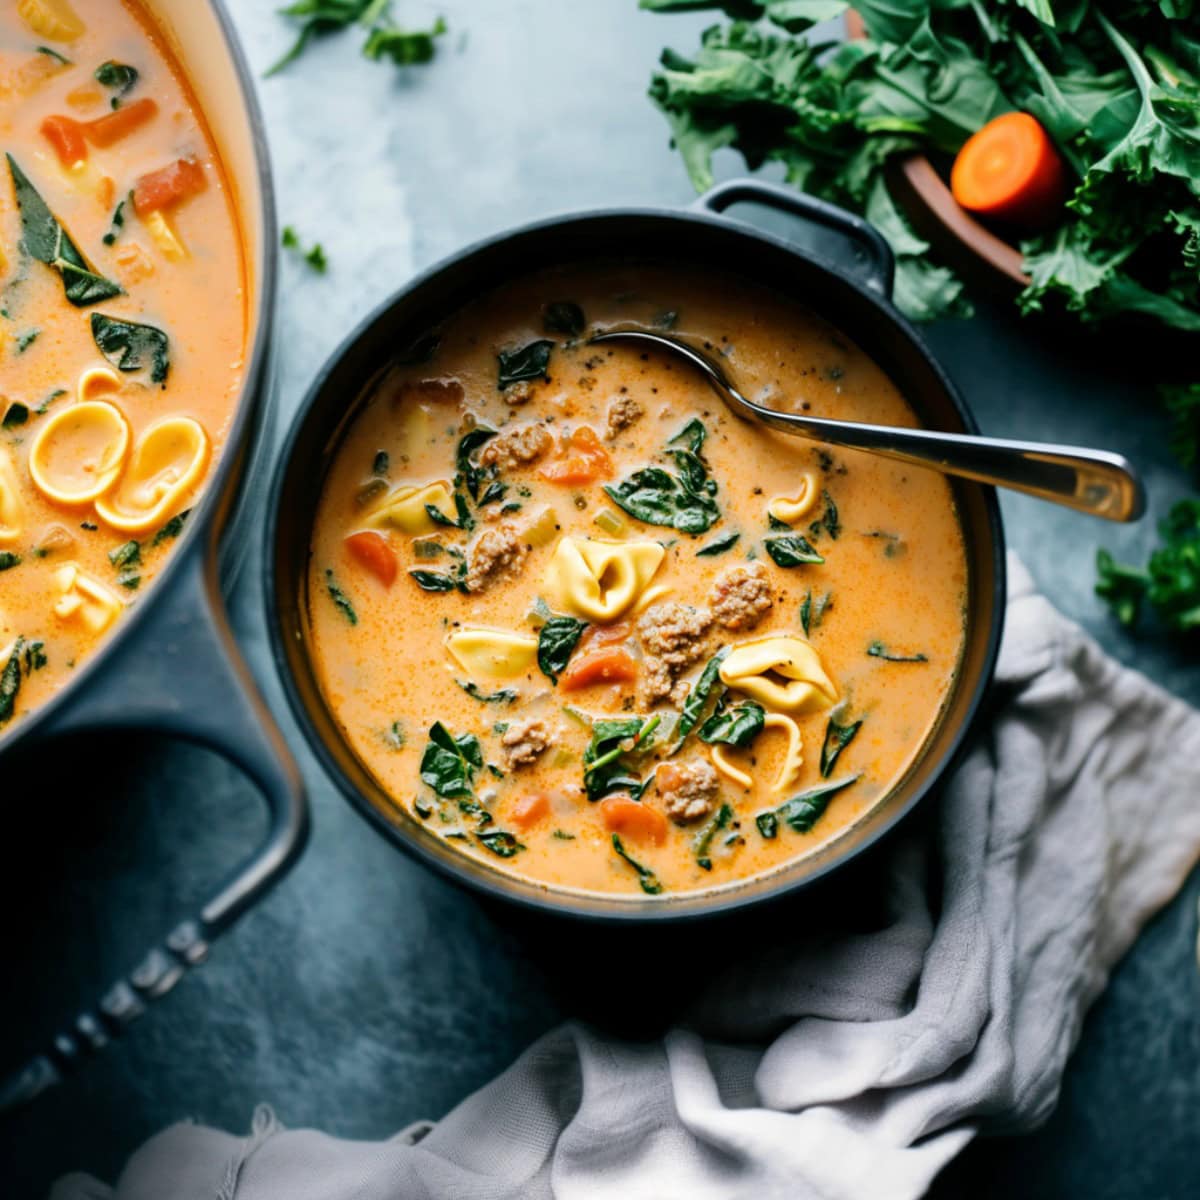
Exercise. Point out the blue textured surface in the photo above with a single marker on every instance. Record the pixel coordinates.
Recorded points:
(365, 993)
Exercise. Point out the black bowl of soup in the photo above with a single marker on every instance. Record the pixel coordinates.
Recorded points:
(564, 628)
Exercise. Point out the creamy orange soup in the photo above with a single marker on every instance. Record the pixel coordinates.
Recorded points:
(122, 327)
(598, 632)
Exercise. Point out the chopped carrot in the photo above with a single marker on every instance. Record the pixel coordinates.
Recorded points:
(371, 550)
(104, 131)
(65, 134)
(638, 822)
(1010, 171)
(167, 186)
(106, 192)
(583, 460)
(529, 810)
(613, 665)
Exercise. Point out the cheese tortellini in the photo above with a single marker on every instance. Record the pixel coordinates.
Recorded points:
(169, 459)
(601, 580)
(496, 653)
(79, 452)
(793, 759)
(791, 509)
(96, 382)
(84, 599)
(404, 508)
(12, 513)
(783, 673)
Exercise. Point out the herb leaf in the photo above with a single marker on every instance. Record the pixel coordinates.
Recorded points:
(8, 560)
(434, 581)
(130, 346)
(718, 546)
(563, 316)
(499, 841)
(646, 878)
(10, 681)
(501, 696)
(525, 362)
(472, 475)
(557, 640)
(403, 46)
(879, 650)
(340, 599)
(117, 77)
(47, 241)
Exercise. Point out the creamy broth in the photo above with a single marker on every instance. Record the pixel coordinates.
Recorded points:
(871, 635)
(121, 364)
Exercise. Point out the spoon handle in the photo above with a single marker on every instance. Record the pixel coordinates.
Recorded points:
(1092, 481)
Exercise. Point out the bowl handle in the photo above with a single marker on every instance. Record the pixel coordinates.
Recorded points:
(874, 254)
(181, 674)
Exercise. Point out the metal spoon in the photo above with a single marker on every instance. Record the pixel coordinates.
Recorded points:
(1092, 481)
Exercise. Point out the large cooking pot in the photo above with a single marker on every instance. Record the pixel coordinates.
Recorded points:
(172, 666)
(854, 300)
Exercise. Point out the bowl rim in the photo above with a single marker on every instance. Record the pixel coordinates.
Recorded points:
(546, 899)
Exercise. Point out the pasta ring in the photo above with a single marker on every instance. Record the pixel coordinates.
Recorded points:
(79, 453)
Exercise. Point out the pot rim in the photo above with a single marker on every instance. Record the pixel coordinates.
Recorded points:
(207, 519)
(544, 899)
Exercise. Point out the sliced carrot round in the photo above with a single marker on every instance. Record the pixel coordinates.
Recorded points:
(637, 822)
(530, 809)
(371, 550)
(1010, 171)
(583, 460)
(610, 665)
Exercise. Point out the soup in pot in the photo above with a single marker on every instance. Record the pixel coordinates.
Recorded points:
(122, 327)
(593, 629)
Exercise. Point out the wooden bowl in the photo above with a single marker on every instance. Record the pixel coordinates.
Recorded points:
(977, 254)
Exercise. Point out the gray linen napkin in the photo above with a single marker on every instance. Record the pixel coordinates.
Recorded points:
(1072, 820)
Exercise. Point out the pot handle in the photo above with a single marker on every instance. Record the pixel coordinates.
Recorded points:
(180, 673)
(874, 254)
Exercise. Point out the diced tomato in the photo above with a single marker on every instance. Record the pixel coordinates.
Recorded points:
(65, 134)
(371, 550)
(604, 635)
(529, 810)
(167, 186)
(583, 459)
(637, 822)
(611, 665)
(119, 123)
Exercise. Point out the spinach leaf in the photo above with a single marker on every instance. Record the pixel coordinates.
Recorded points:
(340, 599)
(829, 521)
(115, 225)
(10, 681)
(682, 501)
(499, 842)
(394, 736)
(61, 59)
(26, 339)
(718, 546)
(434, 581)
(35, 657)
(704, 840)
(117, 77)
(647, 879)
(8, 560)
(525, 362)
(563, 316)
(472, 475)
(802, 811)
(697, 698)
(47, 241)
(737, 726)
(837, 738)
(449, 763)
(812, 611)
(604, 768)
(879, 650)
(501, 696)
(128, 554)
(791, 550)
(557, 640)
(381, 464)
(15, 415)
(130, 346)
(172, 529)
